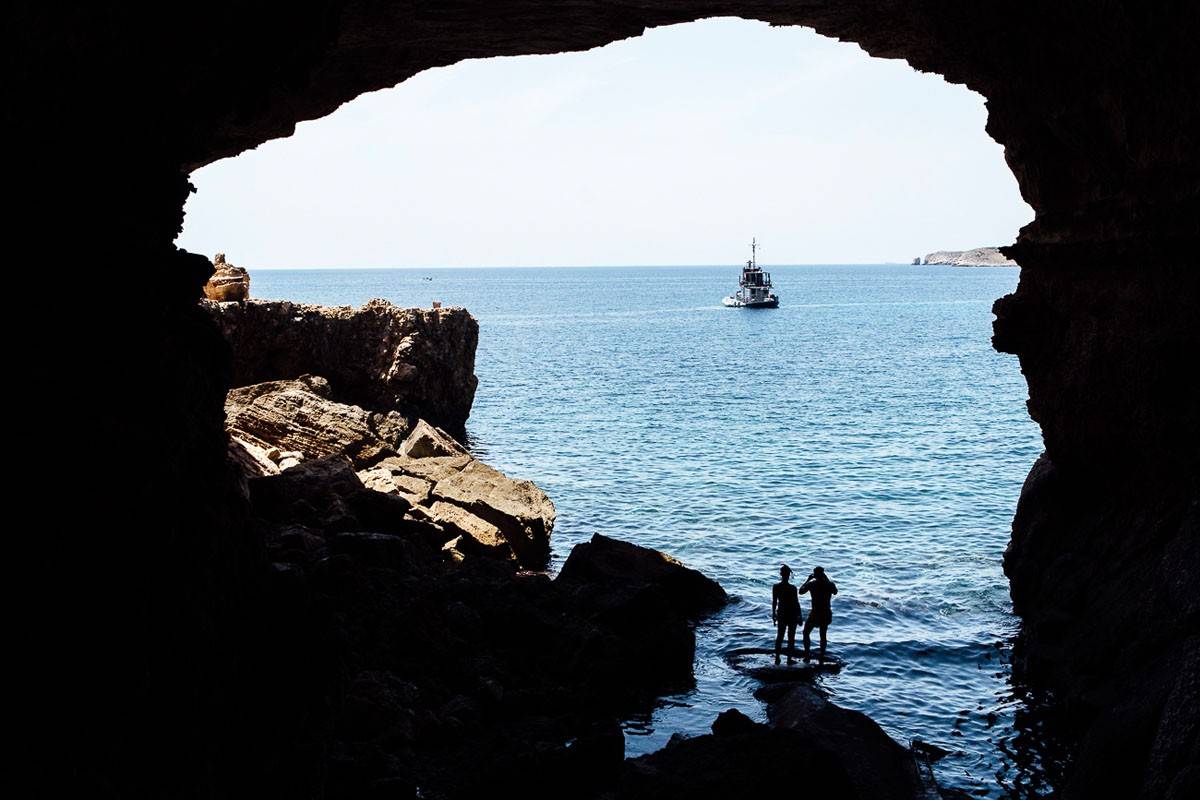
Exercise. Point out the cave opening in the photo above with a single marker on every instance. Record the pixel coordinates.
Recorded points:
(180, 660)
(634, 139)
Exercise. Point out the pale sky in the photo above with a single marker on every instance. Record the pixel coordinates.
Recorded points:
(672, 148)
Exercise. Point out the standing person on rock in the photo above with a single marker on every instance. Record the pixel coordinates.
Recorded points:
(785, 611)
(822, 590)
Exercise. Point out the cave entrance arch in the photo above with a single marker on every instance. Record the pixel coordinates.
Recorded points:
(1093, 106)
(844, 77)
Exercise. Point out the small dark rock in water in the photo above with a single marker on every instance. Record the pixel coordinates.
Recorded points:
(930, 752)
(732, 723)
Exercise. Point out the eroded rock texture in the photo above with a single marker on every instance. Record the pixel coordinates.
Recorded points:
(417, 362)
(181, 626)
(830, 751)
(228, 283)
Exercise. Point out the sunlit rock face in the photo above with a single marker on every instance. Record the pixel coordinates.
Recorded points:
(228, 283)
(412, 361)
(110, 109)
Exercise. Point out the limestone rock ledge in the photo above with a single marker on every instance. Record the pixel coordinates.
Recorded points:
(415, 362)
(471, 508)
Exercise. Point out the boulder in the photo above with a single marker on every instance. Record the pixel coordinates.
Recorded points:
(622, 565)
(490, 513)
(297, 417)
(227, 283)
(833, 751)
(327, 495)
(425, 441)
(740, 761)
(877, 765)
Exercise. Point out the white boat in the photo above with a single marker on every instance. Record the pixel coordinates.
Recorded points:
(755, 286)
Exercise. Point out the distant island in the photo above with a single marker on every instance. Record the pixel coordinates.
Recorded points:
(979, 257)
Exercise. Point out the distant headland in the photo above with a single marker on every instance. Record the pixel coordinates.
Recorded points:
(979, 257)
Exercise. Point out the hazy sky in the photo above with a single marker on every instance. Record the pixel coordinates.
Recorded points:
(672, 148)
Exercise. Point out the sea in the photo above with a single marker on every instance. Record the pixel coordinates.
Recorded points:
(866, 426)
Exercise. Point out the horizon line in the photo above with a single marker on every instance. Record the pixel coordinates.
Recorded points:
(600, 266)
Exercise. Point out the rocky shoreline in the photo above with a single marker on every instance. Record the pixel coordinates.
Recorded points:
(412, 608)
(979, 257)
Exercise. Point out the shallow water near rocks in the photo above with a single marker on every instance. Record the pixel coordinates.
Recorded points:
(866, 426)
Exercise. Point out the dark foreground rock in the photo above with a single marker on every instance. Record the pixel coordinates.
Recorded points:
(811, 747)
(1129, 674)
(416, 362)
(448, 662)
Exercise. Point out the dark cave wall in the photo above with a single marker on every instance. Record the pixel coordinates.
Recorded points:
(111, 106)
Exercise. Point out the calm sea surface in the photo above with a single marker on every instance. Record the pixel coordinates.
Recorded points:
(866, 426)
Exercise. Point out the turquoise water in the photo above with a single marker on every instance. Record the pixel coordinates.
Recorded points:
(866, 426)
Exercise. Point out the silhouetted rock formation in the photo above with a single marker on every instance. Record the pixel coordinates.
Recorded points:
(228, 283)
(979, 257)
(185, 624)
(829, 751)
(417, 362)
(461, 660)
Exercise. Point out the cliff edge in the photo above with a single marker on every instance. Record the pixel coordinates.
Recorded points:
(417, 362)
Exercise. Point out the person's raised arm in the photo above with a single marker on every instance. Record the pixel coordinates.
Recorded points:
(833, 587)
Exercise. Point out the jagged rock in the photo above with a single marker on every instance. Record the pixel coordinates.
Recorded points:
(489, 512)
(417, 362)
(733, 723)
(849, 741)
(426, 441)
(297, 419)
(252, 458)
(327, 495)
(753, 761)
(835, 752)
(228, 283)
(614, 563)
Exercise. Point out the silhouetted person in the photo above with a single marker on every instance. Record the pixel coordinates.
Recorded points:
(785, 611)
(821, 589)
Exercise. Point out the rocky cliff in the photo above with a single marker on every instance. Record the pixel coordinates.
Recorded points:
(979, 257)
(416, 362)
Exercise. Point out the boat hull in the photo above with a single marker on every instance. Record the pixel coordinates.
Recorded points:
(733, 302)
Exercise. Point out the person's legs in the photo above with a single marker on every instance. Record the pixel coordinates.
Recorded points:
(824, 628)
(808, 626)
(779, 638)
(791, 639)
